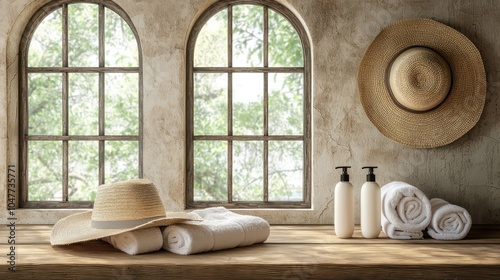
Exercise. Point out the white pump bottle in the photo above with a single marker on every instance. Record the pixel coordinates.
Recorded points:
(344, 205)
(370, 206)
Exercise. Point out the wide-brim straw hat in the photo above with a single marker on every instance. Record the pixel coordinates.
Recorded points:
(119, 207)
(422, 83)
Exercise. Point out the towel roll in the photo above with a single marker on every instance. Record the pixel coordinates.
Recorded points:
(449, 221)
(187, 239)
(137, 241)
(406, 211)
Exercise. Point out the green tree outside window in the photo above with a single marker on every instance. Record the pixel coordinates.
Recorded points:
(82, 102)
(248, 74)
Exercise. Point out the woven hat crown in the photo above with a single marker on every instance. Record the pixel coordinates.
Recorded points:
(130, 200)
(419, 79)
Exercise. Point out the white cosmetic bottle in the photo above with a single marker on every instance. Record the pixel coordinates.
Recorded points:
(344, 205)
(370, 206)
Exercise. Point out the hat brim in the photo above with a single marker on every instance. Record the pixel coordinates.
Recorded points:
(455, 116)
(77, 227)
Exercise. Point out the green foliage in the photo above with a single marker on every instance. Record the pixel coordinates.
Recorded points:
(211, 44)
(210, 99)
(120, 42)
(248, 182)
(285, 47)
(45, 49)
(83, 35)
(210, 184)
(248, 38)
(122, 104)
(83, 157)
(83, 95)
(285, 105)
(45, 104)
(45, 173)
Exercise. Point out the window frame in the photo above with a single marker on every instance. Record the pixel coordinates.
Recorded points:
(64, 70)
(305, 138)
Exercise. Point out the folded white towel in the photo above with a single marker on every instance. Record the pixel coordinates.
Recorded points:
(137, 241)
(406, 211)
(397, 233)
(220, 229)
(449, 221)
(255, 229)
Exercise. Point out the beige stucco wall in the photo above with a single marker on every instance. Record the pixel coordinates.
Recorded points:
(466, 172)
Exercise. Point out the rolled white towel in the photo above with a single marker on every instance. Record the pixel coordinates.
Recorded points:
(137, 241)
(220, 229)
(187, 239)
(449, 221)
(406, 211)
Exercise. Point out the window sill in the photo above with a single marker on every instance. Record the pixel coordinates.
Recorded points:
(291, 252)
(272, 215)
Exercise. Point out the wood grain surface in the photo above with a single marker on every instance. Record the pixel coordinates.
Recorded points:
(291, 252)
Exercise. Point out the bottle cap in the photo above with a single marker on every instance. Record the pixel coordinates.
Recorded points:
(370, 177)
(344, 177)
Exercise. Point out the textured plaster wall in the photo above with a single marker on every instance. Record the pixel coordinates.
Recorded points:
(466, 172)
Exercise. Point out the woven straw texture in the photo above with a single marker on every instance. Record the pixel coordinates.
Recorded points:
(115, 201)
(128, 200)
(419, 79)
(448, 121)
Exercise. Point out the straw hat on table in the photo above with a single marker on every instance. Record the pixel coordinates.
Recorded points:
(118, 208)
(422, 83)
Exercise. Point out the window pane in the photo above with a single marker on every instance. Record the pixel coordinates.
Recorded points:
(286, 104)
(45, 49)
(120, 43)
(285, 170)
(248, 166)
(83, 173)
(83, 35)
(122, 104)
(45, 171)
(248, 35)
(248, 103)
(211, 43)
(210, 104)
(210, 171)
(121, 161)
(285, 47)
(83, 105)
(44, 104)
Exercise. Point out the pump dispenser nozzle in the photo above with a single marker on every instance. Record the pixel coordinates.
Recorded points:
(370, 177)
(344, 177)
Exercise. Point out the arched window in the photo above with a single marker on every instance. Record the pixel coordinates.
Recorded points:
(248, 107)
(81, 102)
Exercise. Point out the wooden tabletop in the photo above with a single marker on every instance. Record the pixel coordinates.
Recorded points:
(291, 252)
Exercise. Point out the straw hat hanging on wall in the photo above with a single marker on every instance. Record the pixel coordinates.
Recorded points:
(422, 83)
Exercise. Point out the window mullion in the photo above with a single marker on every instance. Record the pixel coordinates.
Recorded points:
(230, 36)
(266, 107)
(65, 104)
(101, 95)
(65, 35)
(266, 37)
(230, 104)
